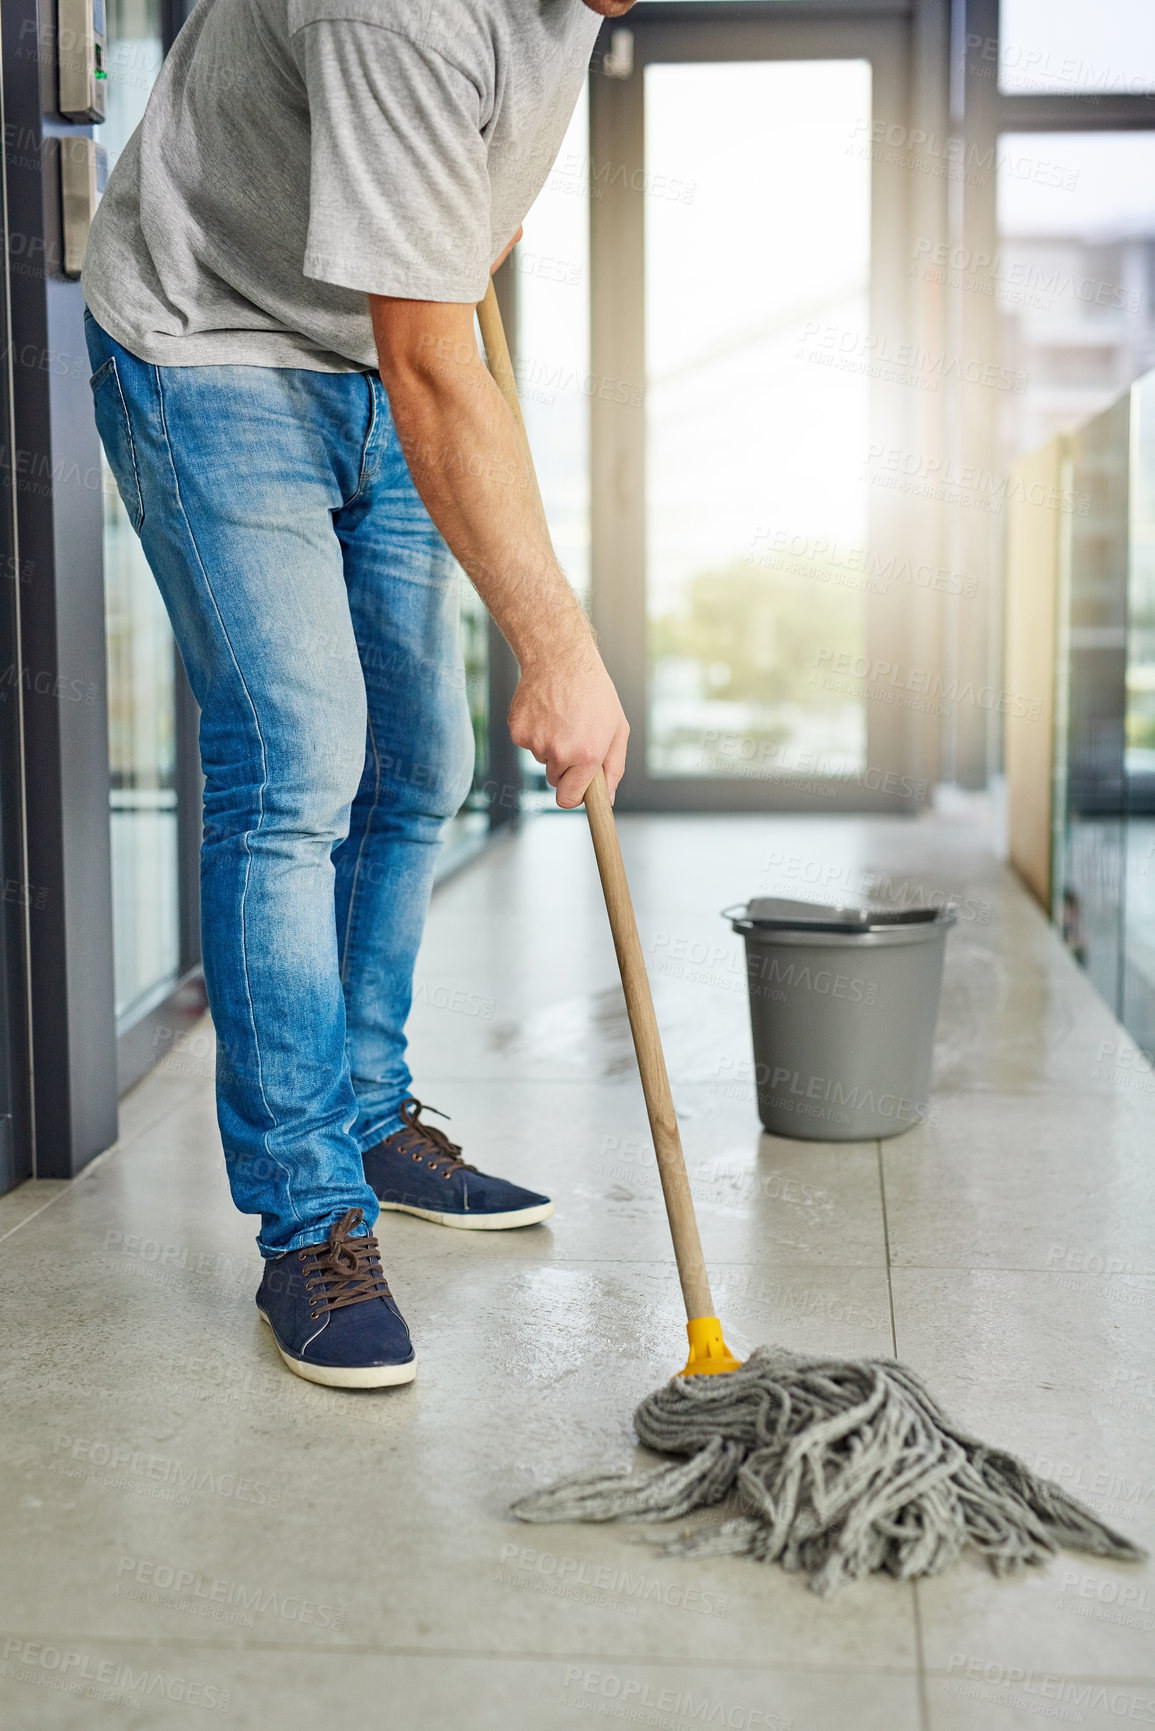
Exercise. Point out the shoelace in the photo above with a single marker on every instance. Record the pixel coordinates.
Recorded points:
(425, 1141)
(345, 1270)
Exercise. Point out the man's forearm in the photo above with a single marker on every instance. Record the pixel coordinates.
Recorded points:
(467, 460)
(469, 464)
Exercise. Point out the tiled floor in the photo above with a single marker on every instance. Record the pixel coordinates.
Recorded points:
(186, 1525)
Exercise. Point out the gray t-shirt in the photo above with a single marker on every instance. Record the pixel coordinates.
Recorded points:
(296, 154)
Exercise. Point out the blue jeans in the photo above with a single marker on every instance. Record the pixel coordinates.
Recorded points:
(315, 607)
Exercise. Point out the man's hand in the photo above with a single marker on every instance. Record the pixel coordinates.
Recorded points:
(469, 464)
(566, 712)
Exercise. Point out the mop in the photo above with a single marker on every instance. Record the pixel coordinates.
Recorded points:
(834, 1468)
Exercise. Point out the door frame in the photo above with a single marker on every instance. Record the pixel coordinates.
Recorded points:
(151, 1025)
(17, 1100)
(899, 744)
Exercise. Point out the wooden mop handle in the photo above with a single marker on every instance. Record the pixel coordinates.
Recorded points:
(500, 365)
(648, 1047)
(627, 943)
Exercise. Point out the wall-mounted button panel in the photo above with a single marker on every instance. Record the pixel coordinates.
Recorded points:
(83, 171)
(82, 59)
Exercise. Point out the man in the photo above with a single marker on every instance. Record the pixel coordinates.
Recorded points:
(280, 282)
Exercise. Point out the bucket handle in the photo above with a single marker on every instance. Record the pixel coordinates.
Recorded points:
(737, 917)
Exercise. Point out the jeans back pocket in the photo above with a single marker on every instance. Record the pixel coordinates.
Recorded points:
(115, 429)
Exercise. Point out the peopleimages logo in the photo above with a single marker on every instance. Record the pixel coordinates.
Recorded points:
(584, 174)
(822, 1096)
(1124, 1603)
(964, 483)
(844, 346)
(75, 1457)
(766, 972)
(954, 158)
(575, 1577)
(77, 1673)
(1014, 1685)
(972, 267)
(190, 1589)
(828, 560)
(889, 679)
(631, 1697)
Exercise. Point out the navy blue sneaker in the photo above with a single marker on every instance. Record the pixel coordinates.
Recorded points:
(418, 1170)
(332, 1315)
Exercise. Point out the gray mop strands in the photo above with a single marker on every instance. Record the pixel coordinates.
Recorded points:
(840, 1467)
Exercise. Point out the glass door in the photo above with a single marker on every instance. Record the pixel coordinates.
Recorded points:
(747, 557)
(20, 895)
(755, 422)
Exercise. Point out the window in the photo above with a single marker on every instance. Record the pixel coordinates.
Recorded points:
(1076, 47)
(1075, 276)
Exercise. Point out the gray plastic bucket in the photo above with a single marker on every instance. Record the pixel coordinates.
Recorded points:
(843, 1006)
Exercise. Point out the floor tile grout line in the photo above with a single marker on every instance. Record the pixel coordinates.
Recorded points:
(95, 1165)
(1133, 1680)
(365, 1649)
(121, 1146)
(35, 1214)
(886, 1246)
(792, 1270)
(529, 1655)
(920, 1654)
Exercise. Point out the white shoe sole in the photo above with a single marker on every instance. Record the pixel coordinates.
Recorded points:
(476, 1222)
(346, 1376)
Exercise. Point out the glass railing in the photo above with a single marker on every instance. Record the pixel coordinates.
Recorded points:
(1103, 862)
(1089, 863)
(1137, 989)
